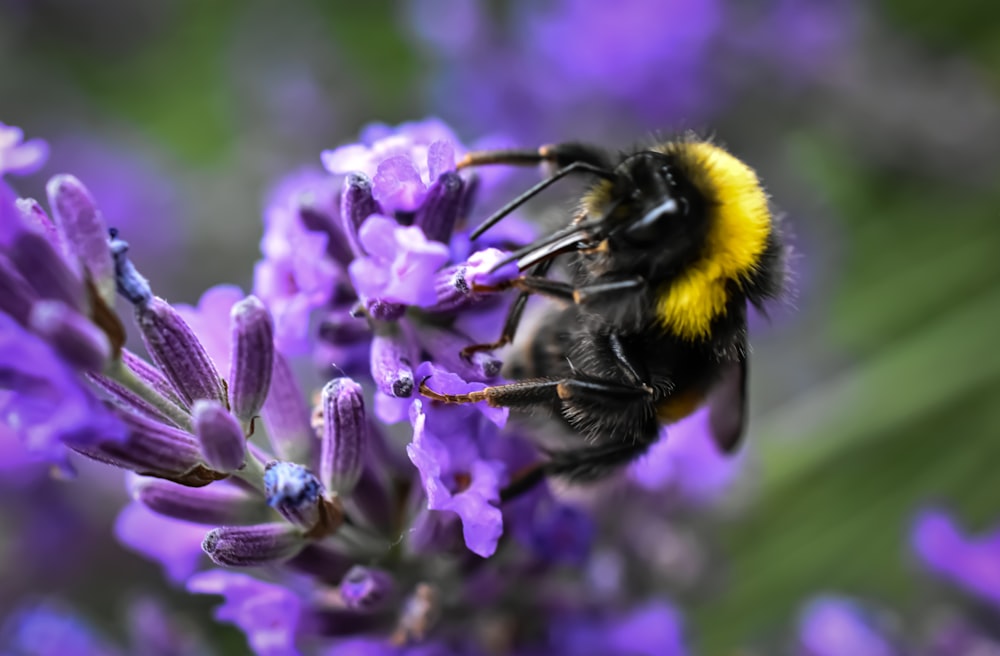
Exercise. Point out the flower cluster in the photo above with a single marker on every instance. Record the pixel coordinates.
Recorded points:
(359, 516)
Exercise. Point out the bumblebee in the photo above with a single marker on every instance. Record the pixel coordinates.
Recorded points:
(669, 246)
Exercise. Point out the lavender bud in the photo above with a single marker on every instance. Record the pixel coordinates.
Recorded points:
(294, 492)
(77, 215)
(345, 435)
(151, 376)
(287, 416)
(446, 347)
(74, 337)
(130, 283)
(366, 589)
(317, 219)
(213, 505)
(178, 353)
(251, 546)
(392, 360)
(441, 207)
(32, 214)
(356, 204)
(154, 449)
(41, 265)
(453, 290)
(222, 440)
(252, 357)
(382, 311)
(16, 295)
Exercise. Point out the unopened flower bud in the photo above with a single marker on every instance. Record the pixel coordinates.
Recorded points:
(222, 441)
(76, 213)
(356, 204)
(75, 338)
(252, 357)
(294, 492)
(440, 210)
(213, 505)
(178, 353)
(252, 546)
(366, 588)
(41, 266)
(392, 360)
(345, 435)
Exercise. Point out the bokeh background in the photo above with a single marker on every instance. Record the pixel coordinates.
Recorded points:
(875, 125)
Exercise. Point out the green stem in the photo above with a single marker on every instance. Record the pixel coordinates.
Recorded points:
(118, 372)
(252, 472)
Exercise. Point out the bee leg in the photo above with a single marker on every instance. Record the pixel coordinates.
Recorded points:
(564, 291)
(560, 155)
(513, 318)
(522, 393)
(568, 159)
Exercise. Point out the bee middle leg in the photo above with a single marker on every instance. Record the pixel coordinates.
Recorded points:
(513, 318)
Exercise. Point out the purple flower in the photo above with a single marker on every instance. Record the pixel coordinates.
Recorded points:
(299, 272)
(687, 461)
(45, 402)
(653, 629)
(836, 626)
(267, 613)
(173, 543)
(210, 321)
(50, 629)
(18, 156)
(457, 478)
(400, 265)
(971, 563)
(402, 162)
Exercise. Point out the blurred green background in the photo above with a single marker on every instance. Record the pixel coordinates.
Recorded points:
(877, 394)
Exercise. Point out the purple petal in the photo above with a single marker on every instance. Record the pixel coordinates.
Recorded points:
(397, 185)
(971, 563)
(686, 460)
(267, 613)
(173, 543)
(835, 626)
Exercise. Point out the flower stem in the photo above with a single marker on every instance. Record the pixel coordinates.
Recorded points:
(122, 374)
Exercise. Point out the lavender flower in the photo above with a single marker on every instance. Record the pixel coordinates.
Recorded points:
(325, 532)
(971, 563)
(836, 626)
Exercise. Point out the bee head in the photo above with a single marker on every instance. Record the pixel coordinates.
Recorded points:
(660, 216)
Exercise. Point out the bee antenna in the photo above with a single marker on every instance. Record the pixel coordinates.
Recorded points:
(575, 167)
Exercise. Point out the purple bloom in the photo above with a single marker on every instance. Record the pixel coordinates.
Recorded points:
(653, 629)
(267, 613)
(687, 461)
(18, 156)
(403, 162)
(299, 272)
(457, 478)
(400, 265)
(173, 543)
(44, 401)
(49, 629)
(835, 626)
(971, 563)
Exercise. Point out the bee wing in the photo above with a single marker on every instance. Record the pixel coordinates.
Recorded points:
(727, 402)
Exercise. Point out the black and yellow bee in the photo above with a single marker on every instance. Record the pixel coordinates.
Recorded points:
(668, 247)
